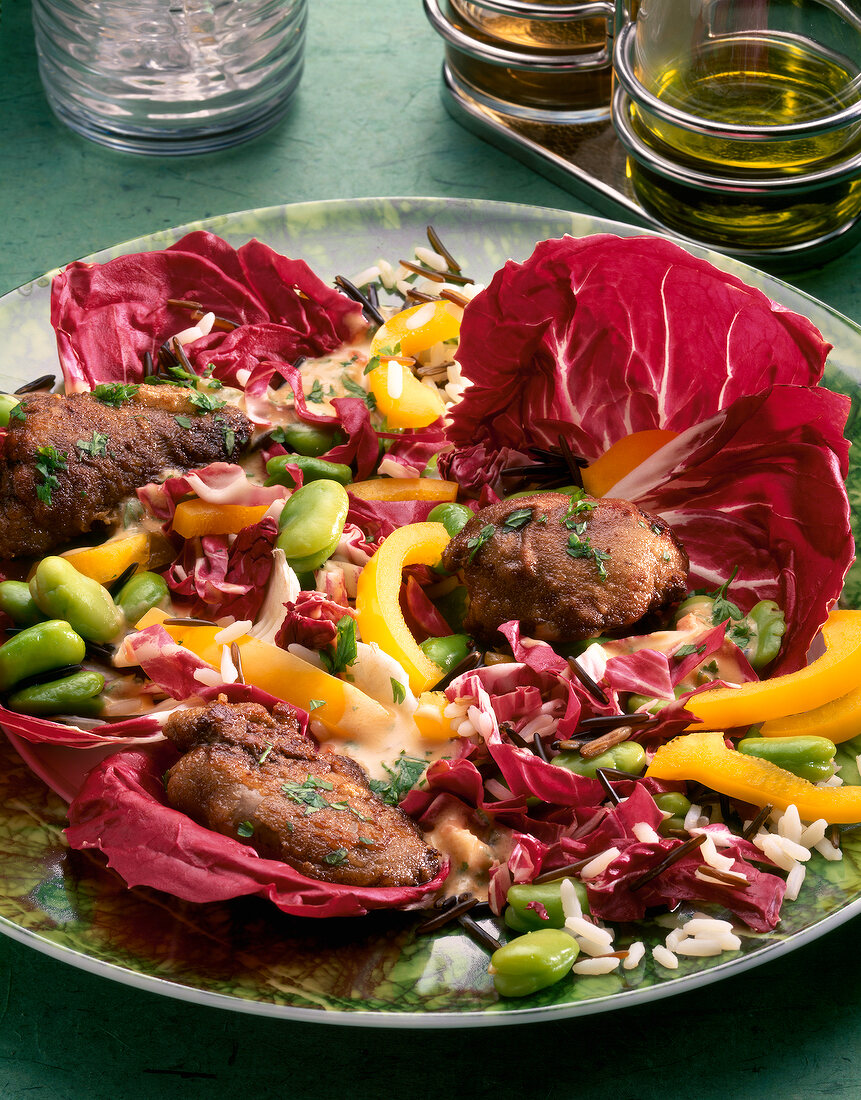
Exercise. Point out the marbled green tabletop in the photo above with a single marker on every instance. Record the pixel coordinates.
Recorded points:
(367, 121)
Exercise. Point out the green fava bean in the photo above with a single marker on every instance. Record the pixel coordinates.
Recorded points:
(453, 517)
(447, 652)
(307, 439)
(627, 757)
(527, 900)
(532, 962)
(8, 402)
(39, 648)
(75, 694)
(768, 625)
(140, 594)
(311, 524)
(313, 469)
(808, 757)
(16, 601)
(62, 592)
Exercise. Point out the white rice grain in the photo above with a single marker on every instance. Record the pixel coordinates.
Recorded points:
(789, 824)
(645, 833)
(694, 818)
(394, 379)
(207, 676)
(599, 864)
(635, 954)
(676, 935)
(814, 832)
(362, 278)
(482, 722)
(604, 965)
(794, 881)
(665, 958)
(231, 633)
(828, 851)
(700, 947)
(429, 258)
(570, 899)
(421, 316)
(706, 926)
(713, 858)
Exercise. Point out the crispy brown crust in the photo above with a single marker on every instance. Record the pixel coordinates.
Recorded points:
(527, 573)
(144, 438)
(245, 769)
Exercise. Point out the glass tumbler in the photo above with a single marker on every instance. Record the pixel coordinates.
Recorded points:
(169, 76)
(742, 118)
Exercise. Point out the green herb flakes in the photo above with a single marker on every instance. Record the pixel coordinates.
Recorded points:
(183, 422)
(477, 541)
(399, 692)
(517, 519)
(403, 775)
(49, 461)
(355, 390)
(315, 704)
(316, 395)
(245, 828)
(114, 393)
(95, 447)
(336, 857)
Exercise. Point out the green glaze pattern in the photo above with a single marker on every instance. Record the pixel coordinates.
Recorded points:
(245, 954)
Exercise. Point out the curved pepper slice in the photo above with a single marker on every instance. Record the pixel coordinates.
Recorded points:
(415, 406)
(839, 720)
(405, 488)
(346, 712)
(378, 608)
(625, 455)
(704, 758)
(825, 679)
(201, 517)
(418, 328)
(106, 562)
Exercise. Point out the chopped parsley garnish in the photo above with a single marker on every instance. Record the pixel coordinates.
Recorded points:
(183, 422)
(315, 394)
(336, 857)
(47, 464)
(308, 794)
(315, 704)
(687, 650)
(228, 433)
(245, 828)
(205, 402)
(579, 546)
(723, 608)
(18, 413)
(268, 749)
(355, 390)
(517, 519)
(403, 775)
(577, 507)
(477, 541)
(96, 446)
(399, 692)
(114, 393)
(366, 840)
(345, 650)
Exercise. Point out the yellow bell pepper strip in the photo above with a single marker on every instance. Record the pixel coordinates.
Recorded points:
(405, 488)
(405, 335)
(200, 517)
(344, 711)
(106, 562)
(415, 406)
(822, 681)
(625, 455)
(704, 758)
(418, 328)
(378, 608)
(429, 718)
(839, 720)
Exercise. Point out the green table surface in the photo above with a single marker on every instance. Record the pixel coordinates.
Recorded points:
(368, 120)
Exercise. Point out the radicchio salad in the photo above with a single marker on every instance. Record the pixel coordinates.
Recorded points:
(413, 594)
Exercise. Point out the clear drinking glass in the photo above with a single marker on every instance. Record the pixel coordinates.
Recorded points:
(169, 76)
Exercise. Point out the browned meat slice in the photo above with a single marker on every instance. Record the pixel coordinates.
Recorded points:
(567, 570)
(251, 775)
(69, 462)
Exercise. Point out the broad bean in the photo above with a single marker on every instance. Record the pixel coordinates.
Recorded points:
(313, 469)
(808, 757)
(311, 524)
(62, 592)
(528, 901)
(308, 439)
(38, 648)
(767, 625)
(532, 961)
(79, 693)
(140, 594)
(16, 601)
(629, 756)
(453, 517)
(675, 803)
(447, 652)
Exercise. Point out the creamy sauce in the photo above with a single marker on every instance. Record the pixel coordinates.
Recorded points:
(474, 847)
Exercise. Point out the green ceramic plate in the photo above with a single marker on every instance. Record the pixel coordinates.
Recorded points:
(246, 955)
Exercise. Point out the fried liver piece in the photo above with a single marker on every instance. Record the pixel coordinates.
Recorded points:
(566, 570)
(101, 454)
(246, 770)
